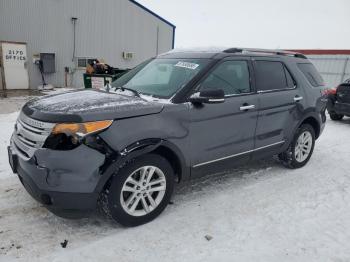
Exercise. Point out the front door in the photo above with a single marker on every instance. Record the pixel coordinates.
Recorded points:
(14, 62)
(222, 135)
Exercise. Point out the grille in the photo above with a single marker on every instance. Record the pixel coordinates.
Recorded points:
(29, 135)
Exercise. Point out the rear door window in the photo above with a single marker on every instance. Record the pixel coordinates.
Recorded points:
(272, 75)
(311, 74)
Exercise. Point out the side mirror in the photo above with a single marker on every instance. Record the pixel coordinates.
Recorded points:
(209, 96)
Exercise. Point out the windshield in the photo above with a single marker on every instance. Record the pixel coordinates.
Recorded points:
(160, 77)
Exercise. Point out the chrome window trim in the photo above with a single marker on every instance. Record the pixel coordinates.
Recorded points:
(239, 154)
(216, 100)
(241, 94)
(276, 90)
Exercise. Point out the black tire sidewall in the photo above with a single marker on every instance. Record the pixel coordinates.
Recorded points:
(335, 116)
(303, 128)
(116, 210)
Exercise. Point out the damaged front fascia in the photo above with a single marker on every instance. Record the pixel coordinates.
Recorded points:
(75, 170)
(80, 169)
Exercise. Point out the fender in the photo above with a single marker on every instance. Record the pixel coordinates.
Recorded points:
(315, 115)
(185, 169)
(310, 113)
(135, 150)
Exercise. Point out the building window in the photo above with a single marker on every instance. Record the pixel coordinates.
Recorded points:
(82, 62)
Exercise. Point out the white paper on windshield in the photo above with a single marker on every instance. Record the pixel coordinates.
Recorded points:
(187, 65)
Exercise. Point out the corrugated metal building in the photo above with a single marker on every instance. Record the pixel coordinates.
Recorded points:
(334, 65)
(104, 29)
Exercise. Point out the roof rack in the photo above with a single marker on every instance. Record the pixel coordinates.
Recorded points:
(266, 51)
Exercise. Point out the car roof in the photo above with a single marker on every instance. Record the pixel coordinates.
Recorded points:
(218, 53)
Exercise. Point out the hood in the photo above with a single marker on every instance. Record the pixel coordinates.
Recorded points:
(88, 105)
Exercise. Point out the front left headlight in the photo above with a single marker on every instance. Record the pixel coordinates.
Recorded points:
(67, 136)
(81, 129)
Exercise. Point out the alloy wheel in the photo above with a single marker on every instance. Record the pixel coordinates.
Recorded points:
(143, 191)
(303, 146)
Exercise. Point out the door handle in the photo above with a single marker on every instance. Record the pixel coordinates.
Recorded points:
(298, 98)
(247, 107)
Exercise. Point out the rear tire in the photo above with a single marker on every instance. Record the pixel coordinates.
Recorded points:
(140, 191)
(301, 148)
(335, 116)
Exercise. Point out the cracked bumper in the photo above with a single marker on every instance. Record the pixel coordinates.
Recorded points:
(63, 181)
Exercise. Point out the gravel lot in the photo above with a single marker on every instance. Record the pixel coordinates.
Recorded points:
(259, 212)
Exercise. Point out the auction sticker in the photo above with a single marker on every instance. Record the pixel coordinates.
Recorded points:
(188, 65)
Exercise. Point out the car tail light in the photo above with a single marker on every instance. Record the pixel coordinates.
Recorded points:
(331, 91)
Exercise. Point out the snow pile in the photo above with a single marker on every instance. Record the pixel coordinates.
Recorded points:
(259, 212)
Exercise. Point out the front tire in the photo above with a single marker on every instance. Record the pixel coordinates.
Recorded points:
(301, 148)
(141, 190)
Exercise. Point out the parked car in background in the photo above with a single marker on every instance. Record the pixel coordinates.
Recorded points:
(177, 116)
(338, 104)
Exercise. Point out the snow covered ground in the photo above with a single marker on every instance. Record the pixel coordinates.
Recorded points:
(259, 212)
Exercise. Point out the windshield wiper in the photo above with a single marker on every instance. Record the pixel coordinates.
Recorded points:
(123, 88)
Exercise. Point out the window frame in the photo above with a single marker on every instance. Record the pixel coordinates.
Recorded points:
(229, 59)
(264, 59)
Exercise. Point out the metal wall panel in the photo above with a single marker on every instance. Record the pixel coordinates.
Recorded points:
(104, 29)
(333, 68)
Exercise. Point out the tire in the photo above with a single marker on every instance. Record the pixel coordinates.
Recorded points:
(335, 116)
(295, 156)
(126, 189)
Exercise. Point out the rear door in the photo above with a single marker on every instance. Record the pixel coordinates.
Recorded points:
(222, 135)
(280, 104)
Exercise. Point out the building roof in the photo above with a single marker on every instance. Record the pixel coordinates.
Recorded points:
(152, 13)
(322, 51)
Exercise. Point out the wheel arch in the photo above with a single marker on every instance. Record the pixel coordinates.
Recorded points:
(175, 158)
(312, 121)
(158, 146)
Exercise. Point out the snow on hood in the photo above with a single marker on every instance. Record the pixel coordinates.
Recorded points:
(93, 103)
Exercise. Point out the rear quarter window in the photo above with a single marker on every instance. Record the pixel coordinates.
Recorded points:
(311, 74)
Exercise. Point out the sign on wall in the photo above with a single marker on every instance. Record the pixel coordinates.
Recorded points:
(14, 63)
(97, 82)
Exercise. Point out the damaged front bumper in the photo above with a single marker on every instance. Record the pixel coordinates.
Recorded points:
(64, 181)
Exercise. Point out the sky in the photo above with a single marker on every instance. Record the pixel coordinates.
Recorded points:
(299, 24)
